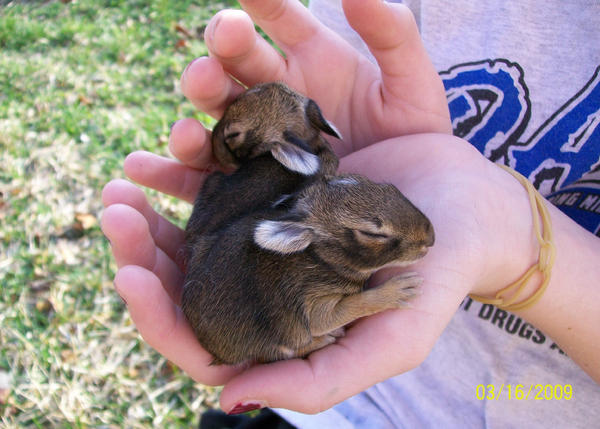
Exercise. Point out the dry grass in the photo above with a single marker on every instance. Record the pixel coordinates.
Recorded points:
(81, 85)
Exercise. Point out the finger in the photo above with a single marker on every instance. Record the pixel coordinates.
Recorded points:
(165, 175)
(287, 22)
(392, 35)
(231, 38)
(167, 236)
(132, 244)
(189, 142)
(208, 87)
(164, 327)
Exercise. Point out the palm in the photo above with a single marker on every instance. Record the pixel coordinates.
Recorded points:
(362, 108)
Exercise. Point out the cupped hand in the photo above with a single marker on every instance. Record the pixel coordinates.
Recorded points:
(146, 248)
(401, 94)
(479, 248)
(444, 176)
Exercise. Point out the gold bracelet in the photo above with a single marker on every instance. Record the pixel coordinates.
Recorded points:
(545, 261)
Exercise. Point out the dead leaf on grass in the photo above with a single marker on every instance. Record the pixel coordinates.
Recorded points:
(85, 220)
(68, 356)
(44, 306)
(67, 252)
(181, 29)
(84, 100)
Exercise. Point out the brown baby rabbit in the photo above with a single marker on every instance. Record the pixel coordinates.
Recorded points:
(271, 117)
(273, 134)
(284, 281)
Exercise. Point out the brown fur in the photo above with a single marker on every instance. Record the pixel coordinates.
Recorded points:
(246, 301)
(277, 260)
(269, 117)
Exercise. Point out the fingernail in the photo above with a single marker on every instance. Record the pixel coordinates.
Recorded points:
(244, 407)
(211, 27)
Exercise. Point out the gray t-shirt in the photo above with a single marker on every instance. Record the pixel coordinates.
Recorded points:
(523, 86)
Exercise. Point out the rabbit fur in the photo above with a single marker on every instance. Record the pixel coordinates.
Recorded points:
(278, 252)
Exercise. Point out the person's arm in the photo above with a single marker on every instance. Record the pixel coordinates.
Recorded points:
(569, 309)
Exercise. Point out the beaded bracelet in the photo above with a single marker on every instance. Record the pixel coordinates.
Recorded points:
(545, 261)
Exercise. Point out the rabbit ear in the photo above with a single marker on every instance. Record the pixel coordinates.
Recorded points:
(282, 236)
(295, 158)
(316, 118)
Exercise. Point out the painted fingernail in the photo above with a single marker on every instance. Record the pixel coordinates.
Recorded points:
(244, 407)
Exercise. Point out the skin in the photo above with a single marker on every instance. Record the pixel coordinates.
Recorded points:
(396, 129)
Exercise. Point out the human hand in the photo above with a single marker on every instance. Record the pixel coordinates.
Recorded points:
(147, 250)
(367, 102)
(471, 203)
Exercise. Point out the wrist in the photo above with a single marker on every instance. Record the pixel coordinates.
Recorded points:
(567, 310)
(510, 248)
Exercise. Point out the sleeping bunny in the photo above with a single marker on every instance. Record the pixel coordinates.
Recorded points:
(280, 283)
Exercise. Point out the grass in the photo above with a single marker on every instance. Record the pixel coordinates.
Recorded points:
(82, 84)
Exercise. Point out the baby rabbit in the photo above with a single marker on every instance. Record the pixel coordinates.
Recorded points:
(271, 117)
(284, 281)
(274, 134)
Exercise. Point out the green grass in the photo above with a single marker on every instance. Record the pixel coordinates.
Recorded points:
(82, 84)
